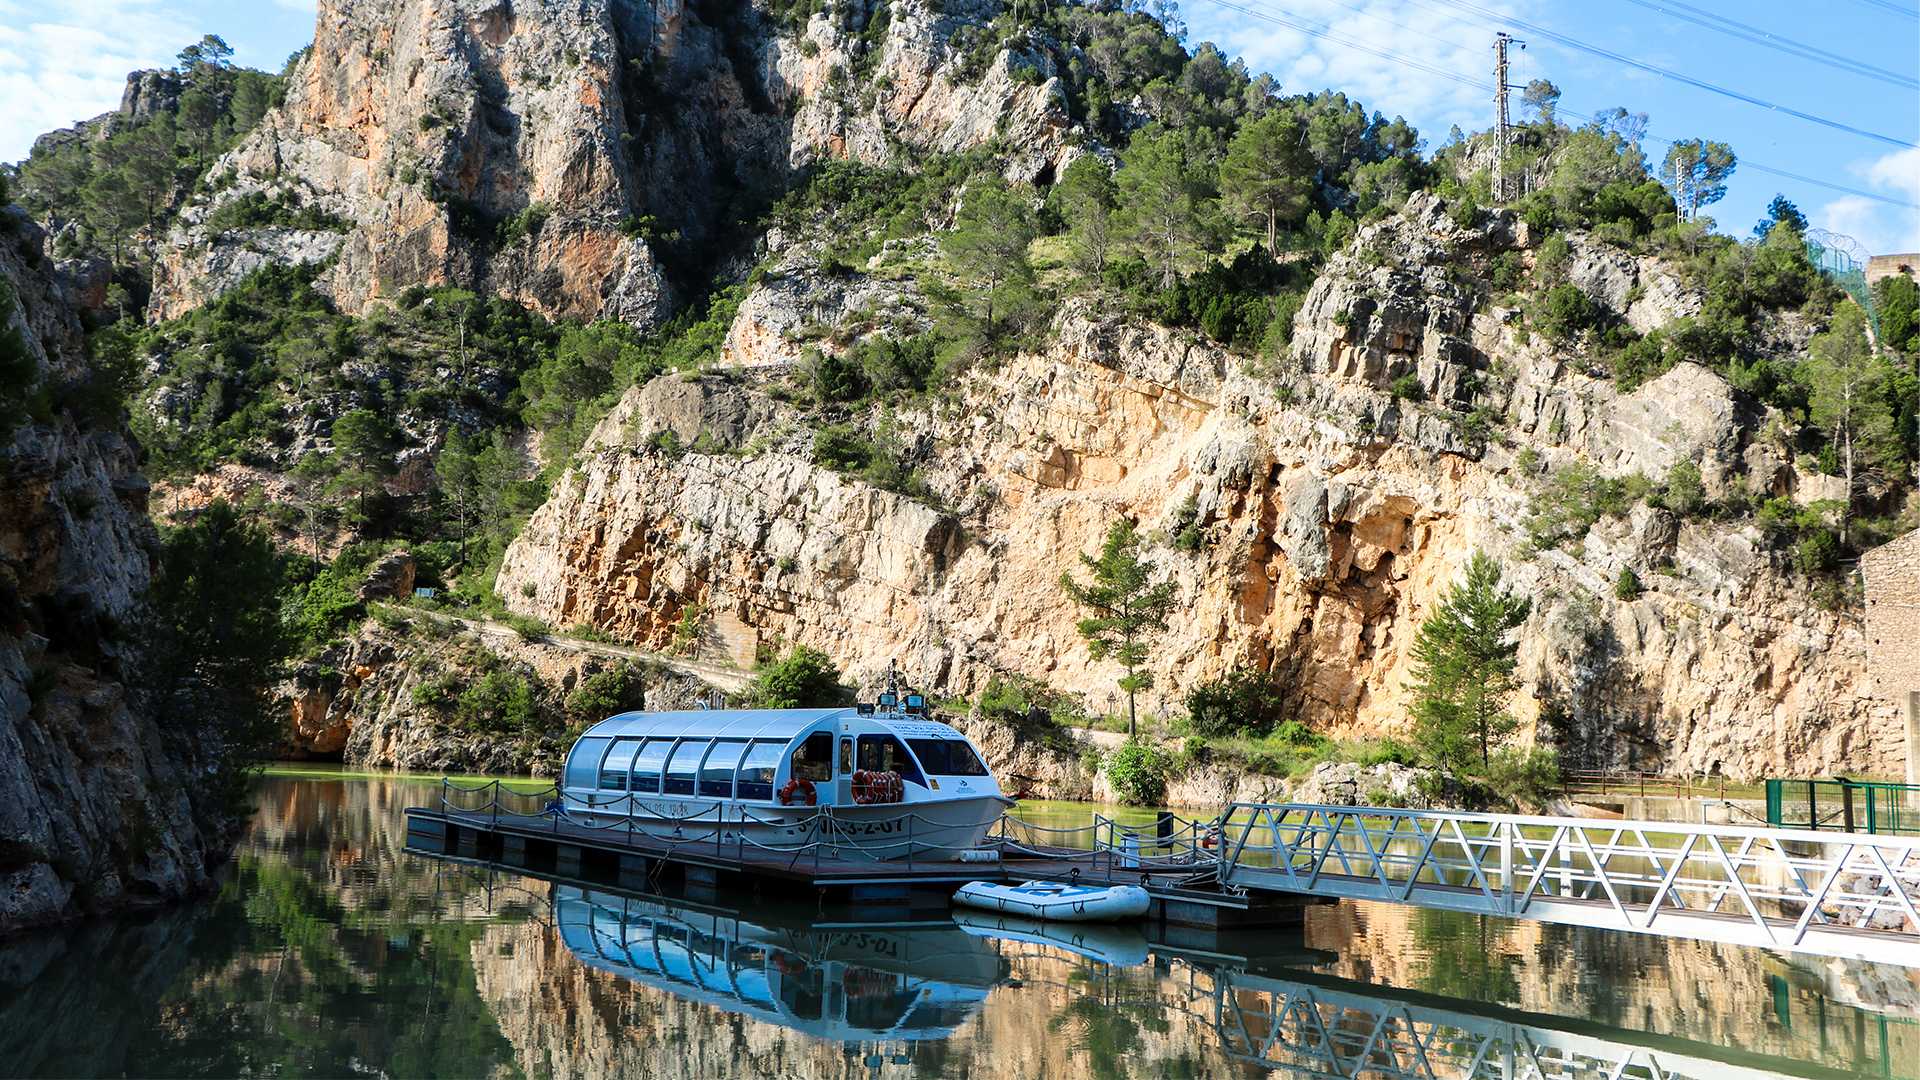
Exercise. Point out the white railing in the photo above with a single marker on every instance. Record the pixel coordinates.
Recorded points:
(1836, 894)
(1295, 1029)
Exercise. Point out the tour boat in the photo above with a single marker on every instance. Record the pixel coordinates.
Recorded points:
(872, 781)
(1057, 901)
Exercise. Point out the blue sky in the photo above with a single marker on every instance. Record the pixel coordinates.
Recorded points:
(66, 60)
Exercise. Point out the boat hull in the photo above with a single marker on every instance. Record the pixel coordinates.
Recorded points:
(935, 829)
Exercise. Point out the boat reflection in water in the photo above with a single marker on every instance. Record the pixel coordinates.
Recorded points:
(1260, 1003)
(852, 985)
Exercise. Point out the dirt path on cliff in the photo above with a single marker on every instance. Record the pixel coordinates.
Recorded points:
(730, 679)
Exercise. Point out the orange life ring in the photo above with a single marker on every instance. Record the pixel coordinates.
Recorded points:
(800, 788)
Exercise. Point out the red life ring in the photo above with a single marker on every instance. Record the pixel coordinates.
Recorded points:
(798, 787)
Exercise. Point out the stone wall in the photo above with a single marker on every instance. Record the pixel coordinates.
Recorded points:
(1881, 266)
(1892, 572)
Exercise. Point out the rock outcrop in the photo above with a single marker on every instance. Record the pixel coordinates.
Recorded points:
(362, 700)
(1333, 513)
(96, 808)
(578, 158)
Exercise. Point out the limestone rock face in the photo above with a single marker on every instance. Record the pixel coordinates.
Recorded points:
(95, 809)
(357, 701)
(1333, 514)
(575, 156)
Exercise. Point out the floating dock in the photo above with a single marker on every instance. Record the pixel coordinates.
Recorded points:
(1183, 895)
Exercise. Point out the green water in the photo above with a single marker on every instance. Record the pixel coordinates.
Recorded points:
(332, 951)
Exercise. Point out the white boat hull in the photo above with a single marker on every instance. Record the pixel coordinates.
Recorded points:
(1054, 902)
(940, 828)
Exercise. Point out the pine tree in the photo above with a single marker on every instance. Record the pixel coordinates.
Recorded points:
(1085, 197)
(1129, 608)
(1696, 171)
(1849, 399)
(987, 247)
(1465, 659)
(1163, 193)
(1268, 173)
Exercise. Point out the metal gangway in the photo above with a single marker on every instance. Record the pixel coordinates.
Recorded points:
(1825, 893)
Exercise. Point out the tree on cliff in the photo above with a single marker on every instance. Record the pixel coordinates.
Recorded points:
(1696, 171)
(1128, 607)
(1268, 173)
(1465, 658)
(987, 249)
(1849, 400)
(1164, 196)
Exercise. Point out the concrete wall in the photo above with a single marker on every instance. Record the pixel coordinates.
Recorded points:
(1892, 573)
(1888, 265)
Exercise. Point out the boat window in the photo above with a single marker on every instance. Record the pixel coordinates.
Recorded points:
(813, 759)
(680, 768)
(947, 757)
(756, 772)
(613, 771)
(846, 756)
(716, 775)
(884, 753)
(646, 764)
(583, 768)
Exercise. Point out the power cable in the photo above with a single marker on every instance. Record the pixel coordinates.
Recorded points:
(1292, 21)
(1495, 18)
(1897, 9)
(1735, 28)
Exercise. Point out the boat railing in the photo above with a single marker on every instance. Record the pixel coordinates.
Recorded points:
(1169, 842)
(721, 824)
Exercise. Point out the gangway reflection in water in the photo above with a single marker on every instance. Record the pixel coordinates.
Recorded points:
(894, 987)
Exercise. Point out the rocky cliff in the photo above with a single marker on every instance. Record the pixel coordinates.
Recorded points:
(95, 807)
(1335, 506)
(581, 159)
(385, 698)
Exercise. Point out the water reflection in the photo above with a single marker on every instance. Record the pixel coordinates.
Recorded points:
(331, 950)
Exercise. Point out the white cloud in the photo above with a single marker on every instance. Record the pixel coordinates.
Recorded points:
(1304, 61)
(1882, 228)
(68, 62)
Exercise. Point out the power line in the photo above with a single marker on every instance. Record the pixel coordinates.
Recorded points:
(1655, 69)
(1897, 9)
(1735, 28)
(1288, 19)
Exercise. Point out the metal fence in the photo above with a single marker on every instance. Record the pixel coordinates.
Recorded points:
(1843, 805)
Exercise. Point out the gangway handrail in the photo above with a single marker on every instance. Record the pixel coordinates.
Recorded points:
(1844, 894)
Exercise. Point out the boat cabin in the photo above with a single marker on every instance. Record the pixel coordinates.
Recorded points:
(753, 755)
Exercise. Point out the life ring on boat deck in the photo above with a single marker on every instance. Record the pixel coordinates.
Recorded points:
(862, 786)
(1210, 839)
(799, 788)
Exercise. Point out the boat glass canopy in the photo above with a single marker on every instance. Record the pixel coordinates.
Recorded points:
(738, 753)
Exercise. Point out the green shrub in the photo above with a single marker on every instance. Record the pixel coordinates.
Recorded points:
(324, 607)
(499, 702)
(528, 627)
(1577, 496)
(1627, 585)
(1564, 311)
(606, 693)
(1521, 778)
(1243, 701)
(1138, 774)
(1684, 493)
(804, 679)
(1407, 388)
